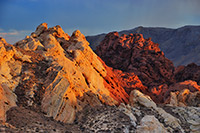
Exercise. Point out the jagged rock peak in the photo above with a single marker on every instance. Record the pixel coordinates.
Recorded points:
(41, 28)
(2, 40)
(78, 34)
(56, 31)
(78, 41)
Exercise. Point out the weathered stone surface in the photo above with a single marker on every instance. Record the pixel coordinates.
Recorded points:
(41, 28)
(185, 98)
(9, 70)
(149, 124)
(30, 43)
(189, 72)
(129, 81)
(105, 119)
(183, 94)
(189, 117)
(172, 122)
(136, 97)
(7, 100)
(126, 109)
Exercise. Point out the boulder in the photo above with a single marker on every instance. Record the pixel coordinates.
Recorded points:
(137, 98)
(149, 124)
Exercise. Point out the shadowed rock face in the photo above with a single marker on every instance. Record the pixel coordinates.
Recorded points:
(133, 53)
(189, 72)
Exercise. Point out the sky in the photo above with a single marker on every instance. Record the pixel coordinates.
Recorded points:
(19, 18)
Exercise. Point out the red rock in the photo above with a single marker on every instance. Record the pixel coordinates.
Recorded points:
(133, 53)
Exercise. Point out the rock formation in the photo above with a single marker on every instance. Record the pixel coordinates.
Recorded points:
(133, 53)
(59, 74)
(53, 82)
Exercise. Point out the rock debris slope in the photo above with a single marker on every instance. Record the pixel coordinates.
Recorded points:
(53, 82)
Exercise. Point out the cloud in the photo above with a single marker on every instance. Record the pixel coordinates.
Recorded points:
(13, 35)
(8, 33)
(13, 32)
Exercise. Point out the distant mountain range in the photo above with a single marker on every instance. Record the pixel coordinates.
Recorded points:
(181, 45)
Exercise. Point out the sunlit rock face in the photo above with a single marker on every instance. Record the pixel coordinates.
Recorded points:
(58, 74)
(10, 69)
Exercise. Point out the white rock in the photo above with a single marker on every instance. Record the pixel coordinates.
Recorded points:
(136, 97)
(149, 124)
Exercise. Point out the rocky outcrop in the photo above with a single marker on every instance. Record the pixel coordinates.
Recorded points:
(104, 119)
(133, 53)
(72, 71)
(185, 93)
(171, 123)
(7, 100)
(8, 77)
(149, 124)
(57, 74)
(141, 115)
(188, 92)
(185, 98)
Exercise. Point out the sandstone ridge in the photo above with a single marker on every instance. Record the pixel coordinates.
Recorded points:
(57, 73)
